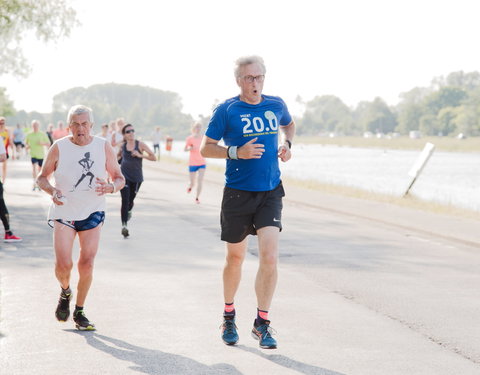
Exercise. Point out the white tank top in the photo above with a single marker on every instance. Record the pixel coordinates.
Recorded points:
(77, 169)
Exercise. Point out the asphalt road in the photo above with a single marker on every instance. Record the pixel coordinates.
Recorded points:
(364, 288)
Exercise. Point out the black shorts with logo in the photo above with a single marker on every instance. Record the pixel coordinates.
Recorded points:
(244, 212)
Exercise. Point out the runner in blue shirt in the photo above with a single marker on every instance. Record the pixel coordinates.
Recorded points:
(249, 125)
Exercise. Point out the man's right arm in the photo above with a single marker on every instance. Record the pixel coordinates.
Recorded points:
(211, 149)
(48, 167)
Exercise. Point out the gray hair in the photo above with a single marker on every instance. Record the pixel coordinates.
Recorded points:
(78, 110)
(247, 60)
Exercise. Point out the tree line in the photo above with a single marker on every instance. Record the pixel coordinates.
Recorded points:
(449, 106)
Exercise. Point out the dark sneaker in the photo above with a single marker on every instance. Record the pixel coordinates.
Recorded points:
(229, 331)
(63, 308)
(125, 233)
(81, 321)
(263, 333)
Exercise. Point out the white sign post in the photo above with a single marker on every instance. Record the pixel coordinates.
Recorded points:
(420, 164)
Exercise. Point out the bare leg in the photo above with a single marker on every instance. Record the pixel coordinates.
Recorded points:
(267, 275)
(35, 170)
(201, 173)
(232, 272)
(63, 237)
(89, 240)
(191, 176)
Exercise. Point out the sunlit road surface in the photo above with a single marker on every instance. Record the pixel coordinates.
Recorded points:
(364, 288)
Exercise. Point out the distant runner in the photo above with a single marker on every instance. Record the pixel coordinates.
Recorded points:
(36, 142)
(196, 162)
(132, 152)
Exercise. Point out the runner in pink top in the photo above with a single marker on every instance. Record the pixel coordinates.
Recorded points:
(196, 163)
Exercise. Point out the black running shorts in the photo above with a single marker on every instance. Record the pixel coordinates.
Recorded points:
(244, 212)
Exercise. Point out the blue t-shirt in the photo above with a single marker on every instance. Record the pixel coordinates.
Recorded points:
(237, 123)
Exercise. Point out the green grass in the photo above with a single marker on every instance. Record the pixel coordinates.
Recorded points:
(448, 144)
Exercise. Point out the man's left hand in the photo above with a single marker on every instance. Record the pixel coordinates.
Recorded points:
(103, 187)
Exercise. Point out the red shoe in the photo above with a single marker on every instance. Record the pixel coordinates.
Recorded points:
(197, 200)
(189, 189)
(11, 238)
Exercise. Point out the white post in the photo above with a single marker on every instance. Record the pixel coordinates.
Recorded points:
(420, 164)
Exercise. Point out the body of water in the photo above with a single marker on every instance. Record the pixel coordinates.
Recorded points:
(448, 178)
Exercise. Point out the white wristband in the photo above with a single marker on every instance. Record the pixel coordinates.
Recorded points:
(232, 152)
(114, 188)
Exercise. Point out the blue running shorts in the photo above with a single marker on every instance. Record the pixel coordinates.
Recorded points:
(194, 168)
(93, 221)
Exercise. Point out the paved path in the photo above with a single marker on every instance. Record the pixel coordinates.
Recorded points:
(365, 288)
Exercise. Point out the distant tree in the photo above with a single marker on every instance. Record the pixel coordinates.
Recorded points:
(428, 124)
(467, 120)
(466, 81)
(447, 118)
(444, 97)
(376, 117)
(49, 20)
(145, 107)
(326, 114)
(6, 105)
(410, 109)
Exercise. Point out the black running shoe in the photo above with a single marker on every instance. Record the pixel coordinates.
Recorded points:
(229, 331)
(125, 233)
(63, 308)
(81, 321)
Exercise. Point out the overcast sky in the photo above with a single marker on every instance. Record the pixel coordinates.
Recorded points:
(356, 50)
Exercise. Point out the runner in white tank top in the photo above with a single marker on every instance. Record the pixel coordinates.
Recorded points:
(79, 164)
(74, 176)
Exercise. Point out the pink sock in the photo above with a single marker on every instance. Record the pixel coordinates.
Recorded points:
(229, 309)
(262, 316)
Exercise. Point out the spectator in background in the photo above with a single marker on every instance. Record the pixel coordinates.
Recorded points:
(4, 215)
(156, 139)
(5, 136)
(50, 133)
(18, 140)
(104, 132)
(60, 131)
(116, 137)
(36, 142)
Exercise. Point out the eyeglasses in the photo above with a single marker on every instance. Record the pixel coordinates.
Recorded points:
(129, 131)
(250, 79)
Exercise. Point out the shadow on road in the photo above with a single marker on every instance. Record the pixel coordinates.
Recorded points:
(151, 361)
(284, 361)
